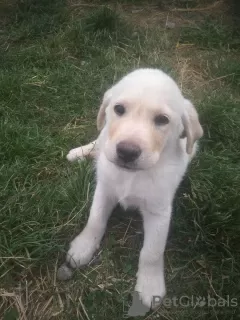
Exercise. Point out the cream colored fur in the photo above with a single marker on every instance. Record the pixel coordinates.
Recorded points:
(150, 184)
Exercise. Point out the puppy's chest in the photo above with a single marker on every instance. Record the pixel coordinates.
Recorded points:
(142, 188)
(136, 191)
(130, 194)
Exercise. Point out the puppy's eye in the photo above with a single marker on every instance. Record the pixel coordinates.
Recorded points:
(161, 120)
(119, 109)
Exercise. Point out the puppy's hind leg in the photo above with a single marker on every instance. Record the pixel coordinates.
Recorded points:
(83, 152)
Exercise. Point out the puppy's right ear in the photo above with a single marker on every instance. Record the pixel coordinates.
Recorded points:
(101, 113)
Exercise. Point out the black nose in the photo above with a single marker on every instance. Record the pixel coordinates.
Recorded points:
(128, 151)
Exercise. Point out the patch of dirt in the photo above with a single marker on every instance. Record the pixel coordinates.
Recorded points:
(6, 8)
(159, 14)
(152, 16)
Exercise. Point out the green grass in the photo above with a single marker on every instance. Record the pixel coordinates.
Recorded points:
(55, 64)
(211, 33)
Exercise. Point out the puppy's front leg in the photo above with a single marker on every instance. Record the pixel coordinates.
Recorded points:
(87, 242)
(150, 277)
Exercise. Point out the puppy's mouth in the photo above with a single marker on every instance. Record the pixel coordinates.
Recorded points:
(131, 166)
(126, 166)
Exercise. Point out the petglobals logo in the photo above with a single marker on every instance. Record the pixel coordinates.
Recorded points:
(196, 301)
(137, 308)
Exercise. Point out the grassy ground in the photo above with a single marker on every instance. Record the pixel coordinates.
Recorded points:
(56, 61)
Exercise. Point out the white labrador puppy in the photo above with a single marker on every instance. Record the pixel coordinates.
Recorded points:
(148, 137)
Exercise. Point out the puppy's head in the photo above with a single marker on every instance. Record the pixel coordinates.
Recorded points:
(142, 115)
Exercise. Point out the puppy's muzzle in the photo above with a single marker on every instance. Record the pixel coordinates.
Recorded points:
(128, 152)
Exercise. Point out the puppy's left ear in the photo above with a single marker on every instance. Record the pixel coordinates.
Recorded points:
(191, 124)
(101, 113)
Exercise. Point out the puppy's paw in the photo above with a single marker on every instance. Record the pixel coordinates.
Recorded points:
(151, 287)
(64, 272)
(76, 154)
(82, 249)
